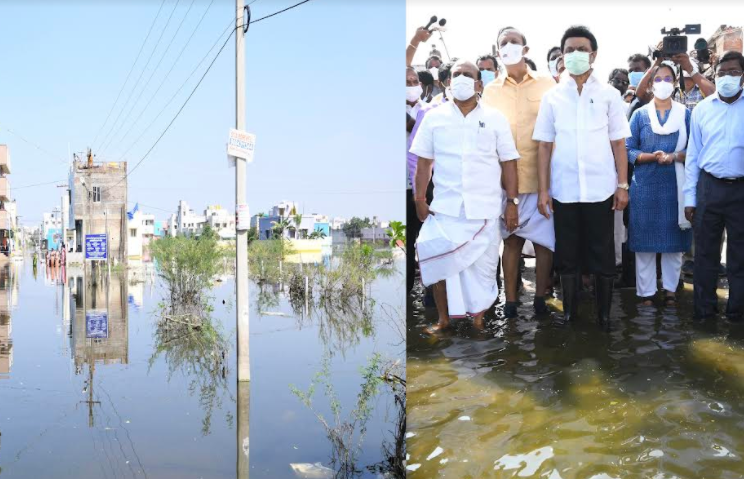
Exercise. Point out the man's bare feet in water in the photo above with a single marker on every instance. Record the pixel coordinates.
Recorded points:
(442, 325)
(479, 322)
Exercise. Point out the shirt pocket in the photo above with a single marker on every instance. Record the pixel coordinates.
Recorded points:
(533, 105)
(485, 141)
(598, 116)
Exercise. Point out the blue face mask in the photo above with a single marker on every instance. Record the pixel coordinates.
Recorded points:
(635, 78)
(728, 86)
(487, 76)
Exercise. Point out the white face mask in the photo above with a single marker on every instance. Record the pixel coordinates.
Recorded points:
(463, 88)
(413, 93)
(663, 90)
(553, 67)
(511, 53)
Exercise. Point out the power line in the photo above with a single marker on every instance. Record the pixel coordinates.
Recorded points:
(177, 91)
(179, 110)
(277, 13)
(126, 103)
(197, 86)
(149, 102)
(52, 155)
(130, 73)
(38, 184)
(149, 79)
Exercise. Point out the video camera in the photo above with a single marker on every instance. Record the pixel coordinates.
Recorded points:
(675, 41)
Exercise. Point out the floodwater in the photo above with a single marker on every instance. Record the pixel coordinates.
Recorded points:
(659, 396)
(91, 387)
(290, 344)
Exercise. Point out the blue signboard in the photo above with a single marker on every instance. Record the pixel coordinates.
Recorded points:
(53, 237)
(96, 247)
(96, 324)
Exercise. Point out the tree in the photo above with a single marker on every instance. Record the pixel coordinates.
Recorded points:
(318, 234)
(353, 229)
(397, 234)
(280, 227)
(297, 219)
(208, 232)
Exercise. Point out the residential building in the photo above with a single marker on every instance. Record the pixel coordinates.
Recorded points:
(287, 212)
(141, 230)
(98, 201)
(188, 223)
(222, 221)
(52, 230)
(7, 213)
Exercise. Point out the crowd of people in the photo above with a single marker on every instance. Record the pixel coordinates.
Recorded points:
(548, 164)
(56, 257)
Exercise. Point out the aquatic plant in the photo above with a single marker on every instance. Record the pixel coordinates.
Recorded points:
(192, 344)
(346, 434)
(187, 265)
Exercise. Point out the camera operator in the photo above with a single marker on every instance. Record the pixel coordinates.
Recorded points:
(697, 87)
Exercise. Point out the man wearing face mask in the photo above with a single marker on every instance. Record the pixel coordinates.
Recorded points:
(714, 189)
(489, 68)
(413, 223)
(553, 55)
(517, 95)
(458, 245)
(638, 65)
(582, 123)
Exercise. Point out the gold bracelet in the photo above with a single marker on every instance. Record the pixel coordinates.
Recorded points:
(412, 45)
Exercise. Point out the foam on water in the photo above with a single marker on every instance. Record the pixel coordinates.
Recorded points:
(531, 461)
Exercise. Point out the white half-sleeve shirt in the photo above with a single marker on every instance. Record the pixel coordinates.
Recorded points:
(467, 151)
(581, 127)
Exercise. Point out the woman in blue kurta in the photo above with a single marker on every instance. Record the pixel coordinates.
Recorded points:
(654, 208)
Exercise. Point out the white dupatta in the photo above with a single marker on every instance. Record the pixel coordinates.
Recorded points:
(675, 123)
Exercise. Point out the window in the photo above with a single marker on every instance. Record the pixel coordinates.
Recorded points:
(133, 232)
(96, 194)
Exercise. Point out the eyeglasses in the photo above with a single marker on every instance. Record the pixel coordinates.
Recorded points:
(729, 73)
(620, 82)
(667, 79)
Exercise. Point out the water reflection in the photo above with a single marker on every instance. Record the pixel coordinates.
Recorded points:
(8, 295)
(658, 396)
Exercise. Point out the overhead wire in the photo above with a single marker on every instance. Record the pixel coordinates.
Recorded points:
(197, 86)
(149, 79)
(46, 152)
(126, 103)
(152, 97)
(142, 47)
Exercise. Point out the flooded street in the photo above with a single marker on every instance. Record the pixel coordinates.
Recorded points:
(91, 387)
(660, 396)
(349, 430)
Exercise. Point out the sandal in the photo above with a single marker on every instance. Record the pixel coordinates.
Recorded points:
(670, 300)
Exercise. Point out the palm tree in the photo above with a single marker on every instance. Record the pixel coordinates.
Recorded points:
(297, 219)
(318, 234)
(280, 227)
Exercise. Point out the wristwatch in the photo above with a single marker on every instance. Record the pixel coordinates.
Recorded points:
(623, 186)
(514, 201)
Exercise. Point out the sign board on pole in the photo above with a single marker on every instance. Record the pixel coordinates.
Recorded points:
(243, 218)
(96, 324)
(96, 247)
(240, 144)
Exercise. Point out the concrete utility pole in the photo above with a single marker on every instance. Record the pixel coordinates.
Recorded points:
(242, 15)
(241, 243)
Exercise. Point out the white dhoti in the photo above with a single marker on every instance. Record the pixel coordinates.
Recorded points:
(465, 254)
(620, 237)
(533, 226)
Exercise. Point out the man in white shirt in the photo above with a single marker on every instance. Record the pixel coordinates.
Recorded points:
(458, 245)
(586, 179)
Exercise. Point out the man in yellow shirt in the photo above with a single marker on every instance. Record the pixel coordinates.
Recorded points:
(517, 95)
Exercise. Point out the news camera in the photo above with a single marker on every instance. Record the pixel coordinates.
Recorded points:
(675, 41)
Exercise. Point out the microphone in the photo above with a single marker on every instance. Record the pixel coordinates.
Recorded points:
(433, 19)
(440, 27)
(442, 22)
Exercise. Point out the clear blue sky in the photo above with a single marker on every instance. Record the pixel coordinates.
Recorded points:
(322, 96)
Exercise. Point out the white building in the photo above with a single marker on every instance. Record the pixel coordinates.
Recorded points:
(141, 231)
(222, 221)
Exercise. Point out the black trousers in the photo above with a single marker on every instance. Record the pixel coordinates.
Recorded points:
(720, 204)
(413, 226)
(585, 238)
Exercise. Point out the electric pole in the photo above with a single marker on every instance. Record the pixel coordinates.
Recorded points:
(242, 18)
(241, 243)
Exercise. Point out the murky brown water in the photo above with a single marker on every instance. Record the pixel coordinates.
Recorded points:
(660, 396)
